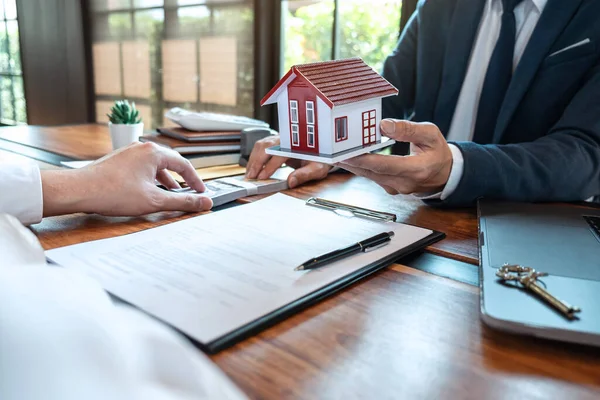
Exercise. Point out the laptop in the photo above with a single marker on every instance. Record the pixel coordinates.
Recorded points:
(562, 240)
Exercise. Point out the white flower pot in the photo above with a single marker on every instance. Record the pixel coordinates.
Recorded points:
(123, 135)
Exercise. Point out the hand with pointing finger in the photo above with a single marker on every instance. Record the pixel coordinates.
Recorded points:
(123, 183)
(425, 170)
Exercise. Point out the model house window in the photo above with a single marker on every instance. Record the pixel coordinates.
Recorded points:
(369, 118)
(295, 135)
(310, 135)
(341, 129)
(294, 111)
(310, 112)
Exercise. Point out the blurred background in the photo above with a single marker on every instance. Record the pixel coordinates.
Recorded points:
(66, 61)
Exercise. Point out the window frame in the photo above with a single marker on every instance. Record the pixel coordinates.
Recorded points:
(369, 126)
(335, 128)
(312, 110)
(296, 133)
(293, 104)
(310, 132)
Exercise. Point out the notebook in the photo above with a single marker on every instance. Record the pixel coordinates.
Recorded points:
(190, 148)
(224, 276)
(197, 136)
(198, 161)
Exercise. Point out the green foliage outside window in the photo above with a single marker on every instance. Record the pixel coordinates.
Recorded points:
(368, 29)
(12, 96)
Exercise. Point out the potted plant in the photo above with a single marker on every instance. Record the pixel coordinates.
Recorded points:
(125, 124)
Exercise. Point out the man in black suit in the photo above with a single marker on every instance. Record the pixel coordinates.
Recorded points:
(498, 98)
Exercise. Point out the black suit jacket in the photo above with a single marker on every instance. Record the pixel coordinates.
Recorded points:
(546, 144)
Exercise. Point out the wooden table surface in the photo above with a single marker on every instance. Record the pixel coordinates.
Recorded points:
(401, 333)
(82, 142)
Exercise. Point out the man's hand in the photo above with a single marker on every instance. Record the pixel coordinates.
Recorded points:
(262, 165)
(426, 170)
(123, 184)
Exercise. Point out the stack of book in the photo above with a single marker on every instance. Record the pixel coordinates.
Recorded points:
(203, 149)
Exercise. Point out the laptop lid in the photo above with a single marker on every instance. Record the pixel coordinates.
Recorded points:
(553, 238)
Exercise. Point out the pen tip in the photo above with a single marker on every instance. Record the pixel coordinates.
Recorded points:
(299, 268)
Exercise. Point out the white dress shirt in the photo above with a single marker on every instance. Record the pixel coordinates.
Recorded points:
(21, 191)
(527, 15)
(62, 338)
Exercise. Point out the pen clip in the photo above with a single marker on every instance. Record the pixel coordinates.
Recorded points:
(368, 249)
(345, 209)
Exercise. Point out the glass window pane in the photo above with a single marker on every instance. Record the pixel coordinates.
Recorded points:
(233, 19)
(148, 23)
(180, 70)
(307, 31)
(107, 68)
(192, 20)
(107, 5)
(10, 9)
(218, 70)
(369, 29)
(7, 109)
(13, 48)
(136, 69)
(119, 25)
(4, 55)
(21, 110)
(148, 3)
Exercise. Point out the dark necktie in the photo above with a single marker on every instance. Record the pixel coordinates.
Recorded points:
(497, 77)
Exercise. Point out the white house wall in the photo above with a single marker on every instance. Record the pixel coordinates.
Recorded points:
(354, 113)
(284, 120)
(325, 130)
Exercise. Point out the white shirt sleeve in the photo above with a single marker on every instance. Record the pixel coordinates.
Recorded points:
(456, 173)
(64, 339)
(21, 191)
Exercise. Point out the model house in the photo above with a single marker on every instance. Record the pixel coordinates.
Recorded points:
(329, 111)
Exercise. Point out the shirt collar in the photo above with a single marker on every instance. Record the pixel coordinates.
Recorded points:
(539, 4)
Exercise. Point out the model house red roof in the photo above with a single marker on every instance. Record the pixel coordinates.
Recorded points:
(338, 82)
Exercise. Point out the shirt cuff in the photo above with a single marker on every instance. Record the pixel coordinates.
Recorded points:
(21, 188)
(456, 173)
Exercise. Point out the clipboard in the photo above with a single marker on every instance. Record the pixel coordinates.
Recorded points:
(287, 311)
(218, 328)
(350, 210)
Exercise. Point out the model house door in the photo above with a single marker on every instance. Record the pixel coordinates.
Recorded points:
(303, 118)
(368, 124)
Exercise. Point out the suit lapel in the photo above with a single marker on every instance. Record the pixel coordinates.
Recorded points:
(461, 37)
(552, 22)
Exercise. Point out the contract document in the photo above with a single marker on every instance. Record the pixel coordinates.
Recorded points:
(223, 276)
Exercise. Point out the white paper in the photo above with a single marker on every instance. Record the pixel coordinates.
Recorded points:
(212, 274)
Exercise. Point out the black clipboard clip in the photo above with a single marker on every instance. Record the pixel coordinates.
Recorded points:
(350, 210)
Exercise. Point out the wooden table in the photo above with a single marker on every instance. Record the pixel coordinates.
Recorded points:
(402, 333)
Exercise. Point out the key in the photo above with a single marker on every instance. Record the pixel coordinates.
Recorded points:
(528, 277)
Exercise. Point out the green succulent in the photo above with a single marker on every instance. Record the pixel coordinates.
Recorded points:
(124, 113)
